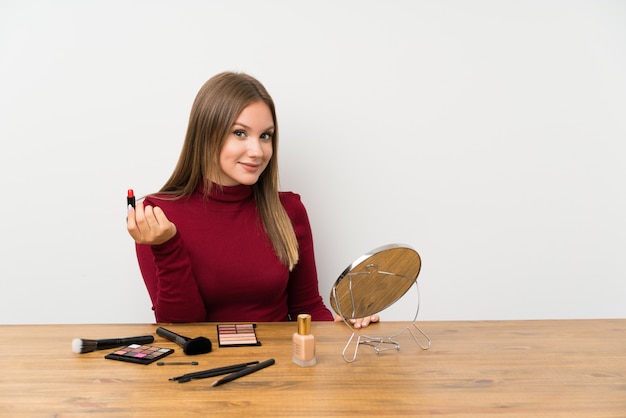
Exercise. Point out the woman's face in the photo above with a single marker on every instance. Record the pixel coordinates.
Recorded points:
(248, 147)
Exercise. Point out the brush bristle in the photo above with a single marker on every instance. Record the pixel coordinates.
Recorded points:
(81, 346)
(200, 345)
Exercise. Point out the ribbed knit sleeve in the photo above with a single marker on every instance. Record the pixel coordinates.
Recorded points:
(167, 273)
(303, 290)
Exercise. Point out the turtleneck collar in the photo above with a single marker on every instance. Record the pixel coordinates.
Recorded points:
(229, 193)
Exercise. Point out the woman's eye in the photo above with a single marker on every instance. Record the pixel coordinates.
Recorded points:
(239, 133)
(267, 136)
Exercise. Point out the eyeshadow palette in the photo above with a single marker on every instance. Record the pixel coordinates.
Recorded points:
(137, 353)
(237, 335)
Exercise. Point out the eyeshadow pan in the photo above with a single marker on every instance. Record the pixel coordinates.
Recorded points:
(237, 335)
(141, 354)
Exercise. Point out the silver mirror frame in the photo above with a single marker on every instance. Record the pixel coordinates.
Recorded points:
(359, 308)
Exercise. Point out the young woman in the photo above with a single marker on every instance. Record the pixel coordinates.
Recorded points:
(219, 242)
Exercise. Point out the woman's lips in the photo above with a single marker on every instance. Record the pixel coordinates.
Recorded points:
(251, 167)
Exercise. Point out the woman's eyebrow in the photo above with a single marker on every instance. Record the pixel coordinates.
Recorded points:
(270, 128)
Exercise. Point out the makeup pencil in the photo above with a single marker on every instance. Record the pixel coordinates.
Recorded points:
(243, 372)
(213, 372)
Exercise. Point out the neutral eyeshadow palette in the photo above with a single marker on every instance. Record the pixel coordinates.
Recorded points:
(141, 354)
(237, 335)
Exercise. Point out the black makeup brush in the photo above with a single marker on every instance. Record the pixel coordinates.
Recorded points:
(81, 346)
(191, 346)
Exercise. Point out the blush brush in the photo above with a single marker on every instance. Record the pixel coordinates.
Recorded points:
(82, 346)
(191, 346)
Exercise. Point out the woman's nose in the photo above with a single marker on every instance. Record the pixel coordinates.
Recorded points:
(254, 147)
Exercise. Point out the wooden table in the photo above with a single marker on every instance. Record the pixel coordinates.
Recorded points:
(473, 369)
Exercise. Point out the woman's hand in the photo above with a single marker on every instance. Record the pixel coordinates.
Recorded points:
(360, 322)
(149, 225)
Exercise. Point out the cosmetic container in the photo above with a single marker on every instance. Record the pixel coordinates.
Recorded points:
(304, 342)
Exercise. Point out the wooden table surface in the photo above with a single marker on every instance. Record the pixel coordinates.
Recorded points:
(568, 368)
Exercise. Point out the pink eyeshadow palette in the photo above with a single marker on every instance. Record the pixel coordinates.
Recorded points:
(237, 335)
(137, 353)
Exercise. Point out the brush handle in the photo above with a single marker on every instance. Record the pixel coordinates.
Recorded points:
(172, 336)
(117, 342)
(243, 372)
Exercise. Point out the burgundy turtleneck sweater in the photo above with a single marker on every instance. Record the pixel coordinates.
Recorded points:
(221, 266)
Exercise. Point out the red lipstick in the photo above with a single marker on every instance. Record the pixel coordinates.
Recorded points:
(130, 198)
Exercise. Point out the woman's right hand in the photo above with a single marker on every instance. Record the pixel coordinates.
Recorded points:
(149, 225)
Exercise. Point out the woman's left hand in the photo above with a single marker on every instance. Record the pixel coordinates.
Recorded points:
(359, 323)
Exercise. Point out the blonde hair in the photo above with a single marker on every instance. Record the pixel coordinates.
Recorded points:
(215, 109)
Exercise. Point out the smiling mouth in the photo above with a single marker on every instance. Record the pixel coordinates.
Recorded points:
(250, 166)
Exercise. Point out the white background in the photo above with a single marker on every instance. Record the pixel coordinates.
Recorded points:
(487, 135)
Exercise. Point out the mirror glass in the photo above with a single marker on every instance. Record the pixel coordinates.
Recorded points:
(375, 281)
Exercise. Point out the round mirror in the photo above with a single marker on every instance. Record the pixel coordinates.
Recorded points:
(375, 281)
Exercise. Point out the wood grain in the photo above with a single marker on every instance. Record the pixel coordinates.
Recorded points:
(473, 369)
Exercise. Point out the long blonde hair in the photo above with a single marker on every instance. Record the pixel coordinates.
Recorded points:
(215, 109)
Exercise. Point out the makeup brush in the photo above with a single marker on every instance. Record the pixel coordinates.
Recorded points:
(82, 346)
(191, 346)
